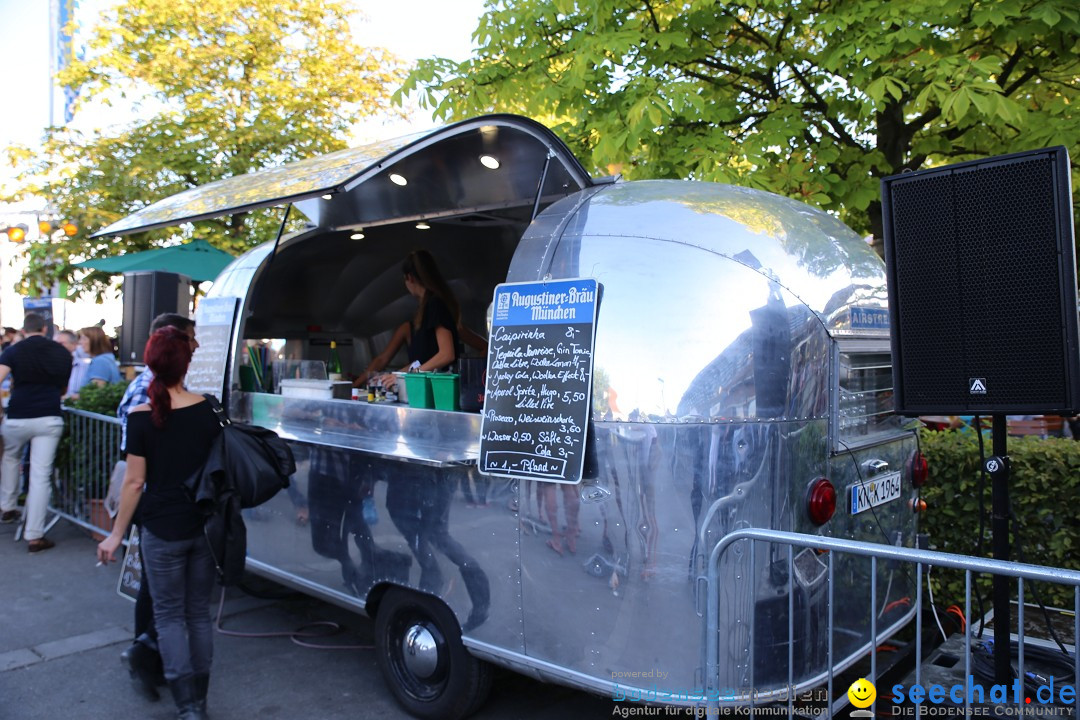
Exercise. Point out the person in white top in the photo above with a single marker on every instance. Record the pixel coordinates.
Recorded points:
(80, 362)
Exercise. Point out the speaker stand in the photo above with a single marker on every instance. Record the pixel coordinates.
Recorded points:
(998, 468)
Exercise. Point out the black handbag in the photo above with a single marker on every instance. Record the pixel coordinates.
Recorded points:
(248, 461)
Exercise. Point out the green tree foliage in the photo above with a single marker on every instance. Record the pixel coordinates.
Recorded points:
(815, 99)
(227, 87)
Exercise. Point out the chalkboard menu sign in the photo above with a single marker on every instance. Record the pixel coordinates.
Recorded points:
(539, 380)
(213, 329)
(41, 306)
(131, 568)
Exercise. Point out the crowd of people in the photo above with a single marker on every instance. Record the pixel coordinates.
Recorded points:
(166, 434)
(93, 355)
(37, 373)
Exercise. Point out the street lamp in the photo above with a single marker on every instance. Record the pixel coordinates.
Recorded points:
(46, 228)
(16, 233)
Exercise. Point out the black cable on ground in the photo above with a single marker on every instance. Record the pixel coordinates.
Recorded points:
(315, 629)
(982, 664)
(1034, 588)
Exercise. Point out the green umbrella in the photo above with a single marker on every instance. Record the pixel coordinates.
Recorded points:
(198, 259)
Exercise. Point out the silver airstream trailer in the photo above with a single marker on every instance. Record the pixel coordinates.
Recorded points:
(741, 379)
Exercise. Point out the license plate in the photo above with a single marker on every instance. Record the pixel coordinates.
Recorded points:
(875, 492)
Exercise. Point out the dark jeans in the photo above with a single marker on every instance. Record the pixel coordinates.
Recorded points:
(182, 575)
(144, 611)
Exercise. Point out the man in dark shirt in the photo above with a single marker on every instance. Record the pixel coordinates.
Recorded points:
(39, 370)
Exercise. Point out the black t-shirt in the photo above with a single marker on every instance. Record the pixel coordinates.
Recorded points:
(173, 453)
(423, 345)
(40, 369)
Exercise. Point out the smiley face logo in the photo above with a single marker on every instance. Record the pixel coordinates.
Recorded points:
(862, 693)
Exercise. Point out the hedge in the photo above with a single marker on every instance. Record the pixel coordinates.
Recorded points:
(1044, 492)
(86, 464)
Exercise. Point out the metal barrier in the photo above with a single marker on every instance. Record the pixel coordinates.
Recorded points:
(88, 452)
(875, 552)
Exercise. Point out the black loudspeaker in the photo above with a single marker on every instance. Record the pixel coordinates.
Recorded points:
(147, 295)
(982, 287)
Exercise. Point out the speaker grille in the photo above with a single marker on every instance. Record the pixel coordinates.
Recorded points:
(978, 287)
(147, 295)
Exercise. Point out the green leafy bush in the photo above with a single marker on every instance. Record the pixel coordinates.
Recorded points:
(88, 449)
(1044, 490)
(100, 399)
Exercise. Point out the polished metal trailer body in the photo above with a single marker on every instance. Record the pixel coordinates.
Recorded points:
(741, 355)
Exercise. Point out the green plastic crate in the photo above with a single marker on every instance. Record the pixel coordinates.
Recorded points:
(418, 388)
(446, 389)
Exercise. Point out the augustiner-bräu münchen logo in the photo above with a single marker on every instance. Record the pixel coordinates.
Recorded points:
(977, 386)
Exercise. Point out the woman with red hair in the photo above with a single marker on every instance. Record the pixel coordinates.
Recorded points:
(167, 441)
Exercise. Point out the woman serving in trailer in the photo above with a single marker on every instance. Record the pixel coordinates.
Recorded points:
(433, 333)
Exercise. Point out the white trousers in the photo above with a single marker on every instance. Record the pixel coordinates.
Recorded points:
(43, 434)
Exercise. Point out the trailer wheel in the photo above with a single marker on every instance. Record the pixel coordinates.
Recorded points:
(422, 659)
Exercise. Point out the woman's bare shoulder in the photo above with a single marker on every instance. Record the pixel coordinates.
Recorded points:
(187, 399)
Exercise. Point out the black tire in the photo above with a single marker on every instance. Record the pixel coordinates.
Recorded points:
(453, 684)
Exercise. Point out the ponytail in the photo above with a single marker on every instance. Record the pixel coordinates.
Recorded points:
(160, 402)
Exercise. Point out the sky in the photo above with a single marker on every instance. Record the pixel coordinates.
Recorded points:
(25, 81)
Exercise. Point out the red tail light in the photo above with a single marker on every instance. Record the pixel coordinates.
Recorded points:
(920, 469)
(821, 501)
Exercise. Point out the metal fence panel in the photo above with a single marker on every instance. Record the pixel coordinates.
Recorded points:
(88, 451)
(875, 552)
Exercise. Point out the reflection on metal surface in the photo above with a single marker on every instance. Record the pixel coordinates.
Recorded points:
(355, 516)
(629, 582)
(717, 299)
(393, 431)
(591, 493)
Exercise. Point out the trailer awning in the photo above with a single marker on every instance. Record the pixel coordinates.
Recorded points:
(493, 161)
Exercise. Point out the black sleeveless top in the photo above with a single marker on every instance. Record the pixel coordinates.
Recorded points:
(423, 345)
(173, 453)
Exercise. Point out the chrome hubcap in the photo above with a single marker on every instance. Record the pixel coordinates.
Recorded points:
(420, 652)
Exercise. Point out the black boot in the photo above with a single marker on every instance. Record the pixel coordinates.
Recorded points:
(202, 686)
(154, 666)
(143, 663)
(183, 692)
